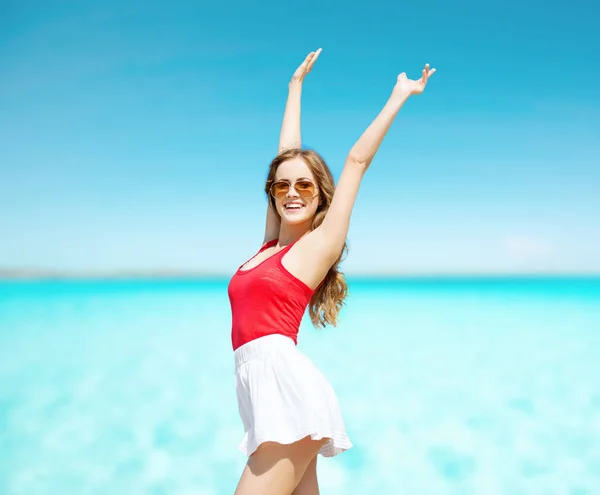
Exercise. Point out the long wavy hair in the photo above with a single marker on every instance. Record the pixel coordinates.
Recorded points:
(328, 299)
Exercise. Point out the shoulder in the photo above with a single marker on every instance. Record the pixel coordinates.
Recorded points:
(268, 243)
(310, 258)
(317, 244)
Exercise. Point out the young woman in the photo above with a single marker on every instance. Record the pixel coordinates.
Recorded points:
(289, 410)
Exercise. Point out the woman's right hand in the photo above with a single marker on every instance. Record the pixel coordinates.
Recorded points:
(306, 66)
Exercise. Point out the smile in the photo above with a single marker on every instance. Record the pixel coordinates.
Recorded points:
(293, 206)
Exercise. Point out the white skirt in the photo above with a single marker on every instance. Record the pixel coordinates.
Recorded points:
(283, 397)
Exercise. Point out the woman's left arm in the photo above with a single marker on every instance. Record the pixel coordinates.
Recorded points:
(334, 228)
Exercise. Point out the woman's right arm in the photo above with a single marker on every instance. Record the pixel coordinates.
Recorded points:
(290, 136)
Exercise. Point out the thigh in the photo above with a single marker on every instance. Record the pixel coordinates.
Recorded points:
(308, 484)
(276, 469)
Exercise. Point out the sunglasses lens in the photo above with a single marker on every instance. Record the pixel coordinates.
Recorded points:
(279, 189)
(305, 188)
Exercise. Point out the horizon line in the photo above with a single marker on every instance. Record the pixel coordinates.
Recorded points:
(166, 274)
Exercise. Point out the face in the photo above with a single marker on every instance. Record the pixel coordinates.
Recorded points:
(295, 207)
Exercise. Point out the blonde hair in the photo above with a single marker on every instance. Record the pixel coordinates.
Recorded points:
(328, 299)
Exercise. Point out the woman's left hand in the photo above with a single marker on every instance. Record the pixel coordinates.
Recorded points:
(405, 86)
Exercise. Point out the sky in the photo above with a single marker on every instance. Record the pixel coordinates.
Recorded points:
(137, 135)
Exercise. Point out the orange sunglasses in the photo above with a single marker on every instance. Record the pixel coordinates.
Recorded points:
(303, 187)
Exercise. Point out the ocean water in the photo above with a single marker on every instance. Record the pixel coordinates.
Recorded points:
(447, 387)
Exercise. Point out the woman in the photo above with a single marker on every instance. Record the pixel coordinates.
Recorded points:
(289, 410)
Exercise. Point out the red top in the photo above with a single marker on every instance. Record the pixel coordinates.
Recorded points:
(266, 299)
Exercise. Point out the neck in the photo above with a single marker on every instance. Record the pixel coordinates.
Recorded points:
(290, 233)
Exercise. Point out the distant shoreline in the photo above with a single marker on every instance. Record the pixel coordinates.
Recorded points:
(121, 275)
(173, 275)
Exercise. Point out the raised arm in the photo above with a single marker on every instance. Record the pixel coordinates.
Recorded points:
(290, 136)
(334, 228)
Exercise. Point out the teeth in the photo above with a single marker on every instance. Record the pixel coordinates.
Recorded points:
(296, 206)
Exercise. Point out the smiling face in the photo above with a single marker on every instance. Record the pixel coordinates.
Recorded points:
(296, 206)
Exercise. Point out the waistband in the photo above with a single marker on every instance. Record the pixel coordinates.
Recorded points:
(260, 347)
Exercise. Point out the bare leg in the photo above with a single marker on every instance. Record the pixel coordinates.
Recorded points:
(276, 469)
(308, 484)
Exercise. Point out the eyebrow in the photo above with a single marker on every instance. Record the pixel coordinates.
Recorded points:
(299, 178)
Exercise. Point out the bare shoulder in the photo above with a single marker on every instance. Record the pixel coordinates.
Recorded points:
(310, 258)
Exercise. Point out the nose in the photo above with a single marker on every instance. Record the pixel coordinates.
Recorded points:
(292, 193)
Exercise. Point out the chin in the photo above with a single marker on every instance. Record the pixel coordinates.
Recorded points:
(296, 219)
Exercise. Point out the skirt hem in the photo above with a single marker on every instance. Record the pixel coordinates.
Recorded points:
(338, 442)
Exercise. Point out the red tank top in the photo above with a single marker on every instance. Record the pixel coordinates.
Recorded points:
(266, 299)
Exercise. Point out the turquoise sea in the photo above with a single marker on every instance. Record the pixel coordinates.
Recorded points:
(448, 386)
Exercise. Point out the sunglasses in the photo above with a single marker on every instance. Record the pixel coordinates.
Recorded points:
(303, 187)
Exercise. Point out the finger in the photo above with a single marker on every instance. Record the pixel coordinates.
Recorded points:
(314, 58)
(308, 62)
(302, 67)
(431, 72)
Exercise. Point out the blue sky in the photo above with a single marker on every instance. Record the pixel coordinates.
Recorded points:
(137, 135)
